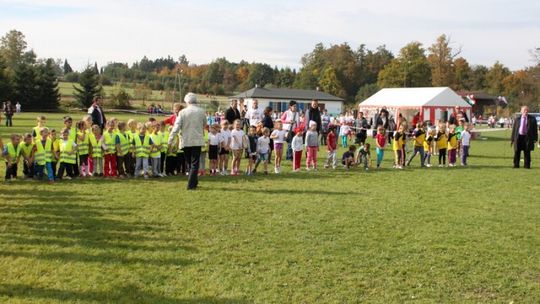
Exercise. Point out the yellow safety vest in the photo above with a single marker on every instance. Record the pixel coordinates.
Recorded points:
(56, 147)
(156, 139)
(43, 153)
(12, 151)
(82, 145)
(124, 143)
(204, 148)
(37, 130)
(164, 140)
(73, 134)
(174, 149)
(110, 142)
(142, 148)
(97, 151)
(65, 149)
(26, 150)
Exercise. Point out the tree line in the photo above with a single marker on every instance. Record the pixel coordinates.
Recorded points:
(353, 74)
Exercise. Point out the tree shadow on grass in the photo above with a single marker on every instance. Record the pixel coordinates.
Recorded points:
(118, 294)
(88, 233)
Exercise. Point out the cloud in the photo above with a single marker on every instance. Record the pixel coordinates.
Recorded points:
(275, 32)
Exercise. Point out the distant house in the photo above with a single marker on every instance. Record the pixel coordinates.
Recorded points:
(278, 99)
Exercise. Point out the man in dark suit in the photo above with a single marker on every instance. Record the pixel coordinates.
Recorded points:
(96, 111)
(524, 136)
(232, 112)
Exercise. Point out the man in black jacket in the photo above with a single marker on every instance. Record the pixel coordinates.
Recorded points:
(96, 111)
(524, 136)
(313, 113)
(232, 112)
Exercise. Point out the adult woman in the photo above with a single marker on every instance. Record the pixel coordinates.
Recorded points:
(8, 111)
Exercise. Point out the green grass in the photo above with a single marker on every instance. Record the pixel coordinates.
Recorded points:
(440, 235)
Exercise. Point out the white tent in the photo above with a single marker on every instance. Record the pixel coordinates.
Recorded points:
(431, 103)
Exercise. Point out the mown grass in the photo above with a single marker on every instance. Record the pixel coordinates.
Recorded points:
(440, 235)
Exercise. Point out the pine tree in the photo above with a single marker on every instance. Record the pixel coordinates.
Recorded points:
(25, 86)
(5, 85)
(96, 70)
(48, 96)
(89, 87)
(67, 67)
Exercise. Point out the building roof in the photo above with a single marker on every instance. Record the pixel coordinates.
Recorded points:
(289, 94)
(415, 97)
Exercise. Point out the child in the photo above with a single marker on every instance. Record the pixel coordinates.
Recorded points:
(297, 144)
(348, 157)
(398, 147)
(155, 151)
(380, 141)
(442, 144)
(181, 162)
(171, 163)
(111, 140)
(225, 142)
(312, 146)
(331, 148)
(344, 131)
(68, 124)
(12, 153)
(27, 150)
(252, 149)
(83, 143)
(204, 152)
(43, 156)
(419, 140)
(131, 132)
(452, 145)
(123, 150)
(428, 147)
(68, 156)
(278, 135)
(164, 133)
(56, 150)
(96, 150)
(36, 131)
(143, 144)
(237, 145)
(213, 148)
(465, 143)
(263, 150)
(364, 156)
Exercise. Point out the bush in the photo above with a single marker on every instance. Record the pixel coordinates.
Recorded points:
(72, 77)
(120, 99)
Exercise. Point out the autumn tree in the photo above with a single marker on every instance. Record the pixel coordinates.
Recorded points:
(441, 60)
(409, 69)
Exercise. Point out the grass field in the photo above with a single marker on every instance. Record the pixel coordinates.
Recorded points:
(437, 235)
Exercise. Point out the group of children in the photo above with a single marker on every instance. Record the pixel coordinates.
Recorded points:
(132, 149)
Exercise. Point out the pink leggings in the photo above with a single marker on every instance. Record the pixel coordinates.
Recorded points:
(312, 156)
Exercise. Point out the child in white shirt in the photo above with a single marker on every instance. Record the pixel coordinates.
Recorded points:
(465, 143)
(237, 146)
(263, 150)
(297, 148)
(225, 146)
(278, 135)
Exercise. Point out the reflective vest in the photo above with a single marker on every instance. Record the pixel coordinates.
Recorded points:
(56, 147)
(12, 151)
(442, 141)
(452, 141)
(132, 136)
(43, 153)
(164, 140)
(204, 148)
(26, 150)
(142, 148)
(73, 134)
(97, 151)
(124, 143)
(156, 139)
(110, 142)
(65, 156)
(174, 147)
(82, 145)
(37, 130)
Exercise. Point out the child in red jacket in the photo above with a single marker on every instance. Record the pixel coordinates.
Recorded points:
(331, 148)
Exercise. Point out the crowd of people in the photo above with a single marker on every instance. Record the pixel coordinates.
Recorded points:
(94, 146)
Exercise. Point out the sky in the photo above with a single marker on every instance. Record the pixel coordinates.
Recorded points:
(275, 32)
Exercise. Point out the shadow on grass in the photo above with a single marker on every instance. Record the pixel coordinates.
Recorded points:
(120, 294)
(87, 233)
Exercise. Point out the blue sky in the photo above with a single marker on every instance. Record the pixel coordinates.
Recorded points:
(275, 32)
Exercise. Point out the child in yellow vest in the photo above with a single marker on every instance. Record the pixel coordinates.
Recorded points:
(111, 139)
(123, 150)
(36, 131)
(164, 134)
(132, 132)
(11, 154)
(428, 147)
(204, 152)
(442, 144)
(143, 144)
(96, 150)
(171, 164)
(68, 156)
(83, 144)
(56, 149)
(44, 156)
(27, 149)
(155, 151)
(452, 145)
(398, 147)
(419, 140)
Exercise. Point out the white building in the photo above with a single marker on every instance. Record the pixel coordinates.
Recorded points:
(278, 99)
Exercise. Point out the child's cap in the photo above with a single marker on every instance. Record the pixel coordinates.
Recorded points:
(298, 130)
(312, 123)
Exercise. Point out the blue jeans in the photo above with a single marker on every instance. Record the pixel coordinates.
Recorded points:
(380, 154)
(39, 171)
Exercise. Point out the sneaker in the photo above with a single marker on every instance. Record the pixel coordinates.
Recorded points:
(334, 167)
(67, 177)
(428, 165)
(367, 169)
(307, 169)
(440, 166)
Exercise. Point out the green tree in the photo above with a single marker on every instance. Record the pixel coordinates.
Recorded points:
(48, 94)
(12, 48)
(25, 87)
(495, 77)
(478, 78)
(373, 62)
(5, 83)
(120, 99)
(462, 74)
(330, 83)
(67, 68)
(409, 69)
(89, 87)
(366, 91)
(441, 61)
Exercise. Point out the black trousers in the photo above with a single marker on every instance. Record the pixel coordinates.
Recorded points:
(11, 172)
(181, 163)
(68, 168)
(171, 165)
(522, 146)
(192, 158)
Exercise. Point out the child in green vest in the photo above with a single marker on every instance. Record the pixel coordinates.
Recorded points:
(143, 144)
(83, 144)
(11, 153)
(27, 149)
(123, 153)
(68, 156)
(96, 150)
(44, 156)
